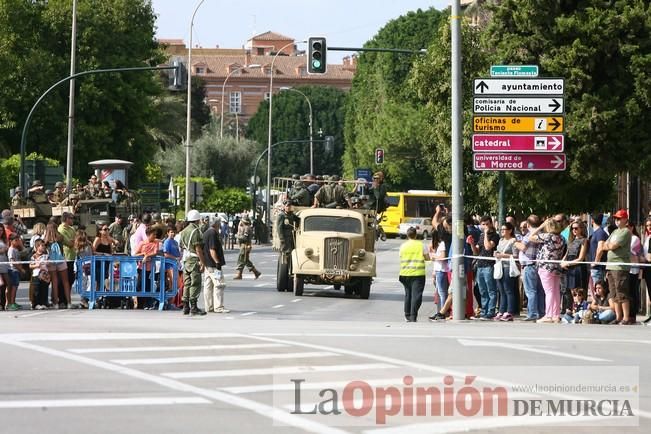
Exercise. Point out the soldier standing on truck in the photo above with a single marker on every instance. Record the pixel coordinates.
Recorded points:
(244, 238)
(18, 200)
(286, 224)
(36, 193)
(300, 194)
(59, 192)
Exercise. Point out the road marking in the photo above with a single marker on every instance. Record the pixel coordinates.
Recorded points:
(424, 367)
(528, 348)
(103, 402)
(277, 370)
(248, 313)
(277, 415)
(52, 337)
(296, 300)
(260, 285)
(276, 387)
(228, 358)
(278, 306)
(466, 424)
(171, 348)
(431, 335)
(35, 314)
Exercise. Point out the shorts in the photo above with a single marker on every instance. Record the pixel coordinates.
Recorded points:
(14, 278)
(618, 285)
(57, 266)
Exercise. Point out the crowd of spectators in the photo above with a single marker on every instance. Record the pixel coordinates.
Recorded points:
(551, 270)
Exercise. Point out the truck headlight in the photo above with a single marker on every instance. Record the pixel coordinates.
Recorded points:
(361, 253)
(309, 252)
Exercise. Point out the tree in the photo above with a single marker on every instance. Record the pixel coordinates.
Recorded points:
(380, 112)
(229, 200)
(226, 160)
(290, 122)
(9, 169)
(112, 111)
(603, 50)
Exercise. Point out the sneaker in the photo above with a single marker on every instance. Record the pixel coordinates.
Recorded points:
(565, 321)
(498, 316)
(485, 318)
(222, 309)
(13, 307)
(530, 319)
(544, 319)
(41, 307)
(646, 321)
(69, 306)
(507, 317)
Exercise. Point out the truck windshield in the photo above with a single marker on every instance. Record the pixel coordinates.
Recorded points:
(332, 224)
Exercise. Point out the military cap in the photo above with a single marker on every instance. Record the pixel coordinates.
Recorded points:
(37, 183)
(59, 184)
(48, 192)
(18, 189)
(296, 176)
(334, 178)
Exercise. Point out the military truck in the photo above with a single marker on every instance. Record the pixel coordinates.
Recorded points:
(333, 247)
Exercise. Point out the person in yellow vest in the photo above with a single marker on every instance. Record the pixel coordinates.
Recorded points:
(412, 274)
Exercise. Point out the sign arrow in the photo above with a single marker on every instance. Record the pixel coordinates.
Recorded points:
(555, 106)
(554, 143)
(554, 123)
(557, 161)
(482, 86)
(528, 348)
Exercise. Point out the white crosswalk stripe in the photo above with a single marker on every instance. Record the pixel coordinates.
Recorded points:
(228, 358)
(276, 370)
(173, 348)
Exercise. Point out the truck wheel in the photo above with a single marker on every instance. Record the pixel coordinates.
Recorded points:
(282, 275)
(365, 288)
(299, 283)
(337, 286)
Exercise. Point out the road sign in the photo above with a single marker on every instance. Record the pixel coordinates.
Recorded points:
(364, 173)
(518, 143)
(514, 70)
(489, 105)
(517, 124)
(518, 162)
(519, 86)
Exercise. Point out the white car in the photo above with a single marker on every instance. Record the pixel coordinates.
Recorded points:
(423, 227)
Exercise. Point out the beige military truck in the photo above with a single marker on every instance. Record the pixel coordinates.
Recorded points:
(333, 247)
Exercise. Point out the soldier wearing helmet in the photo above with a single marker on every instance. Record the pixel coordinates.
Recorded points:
(18, 200)
(300, 196)
(191, 243)
(36, 193)
(59, 192)
(245, 238)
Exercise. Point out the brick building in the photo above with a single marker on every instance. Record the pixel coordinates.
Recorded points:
(245, 88)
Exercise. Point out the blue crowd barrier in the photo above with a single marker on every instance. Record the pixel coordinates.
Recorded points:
(120, 276)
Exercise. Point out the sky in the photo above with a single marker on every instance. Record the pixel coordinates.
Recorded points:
(230, 23)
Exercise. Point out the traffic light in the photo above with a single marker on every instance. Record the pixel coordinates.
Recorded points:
(379, 156)
(329, 144)
(316, 58)
(178, 77)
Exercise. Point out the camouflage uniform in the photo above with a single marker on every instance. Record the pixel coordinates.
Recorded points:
(300, 196)
(59, 193)
(244, 238)
(18, 200)
(191, 237)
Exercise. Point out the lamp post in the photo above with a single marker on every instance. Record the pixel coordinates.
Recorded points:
(309, 104)
(188, 115)
(221, 127)
(71, 99)
(271, 93)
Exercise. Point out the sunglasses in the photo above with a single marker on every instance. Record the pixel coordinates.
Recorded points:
(575, 228)
(103, 229)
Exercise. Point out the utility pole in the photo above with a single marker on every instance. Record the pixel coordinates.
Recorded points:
(458, 224)
(71, 99)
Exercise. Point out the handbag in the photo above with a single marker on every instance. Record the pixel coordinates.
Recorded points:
(514, 271)
(498, 271)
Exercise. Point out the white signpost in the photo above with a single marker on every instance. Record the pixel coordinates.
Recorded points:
(502, 105)
(519, 86)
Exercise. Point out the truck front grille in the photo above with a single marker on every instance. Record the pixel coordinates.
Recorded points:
(336, 254)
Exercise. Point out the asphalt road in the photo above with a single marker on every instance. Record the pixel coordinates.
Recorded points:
(107, 371)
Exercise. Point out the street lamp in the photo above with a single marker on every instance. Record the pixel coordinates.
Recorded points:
(271, 93)
(310, 106)
(253, 66)
(188, 115)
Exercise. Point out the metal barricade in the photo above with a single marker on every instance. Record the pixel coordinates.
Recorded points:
(124, 276)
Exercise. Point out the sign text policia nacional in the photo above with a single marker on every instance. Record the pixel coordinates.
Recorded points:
(518, 120)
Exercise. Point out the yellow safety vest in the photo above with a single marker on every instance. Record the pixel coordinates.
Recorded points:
(412, 262)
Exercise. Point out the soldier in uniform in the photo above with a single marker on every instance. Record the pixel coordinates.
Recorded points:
(338, 192)
(191, 241)
(93, 189)
(116, 231)
(300, 196)
(286, 224)
(72, 200)
(324, 196)
(49, 194)
(18, 200)
(36, 193)
(59, 192)
(377, 193)
(244, 238)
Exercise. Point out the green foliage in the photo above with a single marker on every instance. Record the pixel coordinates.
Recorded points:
(10, 169)
(229, 200)
(380, 112)
(227, 160)
(290, 121)
(153, 172)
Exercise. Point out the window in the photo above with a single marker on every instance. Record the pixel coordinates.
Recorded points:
(333, 224)
(267, 95)
(200, 69)
(235, 102)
